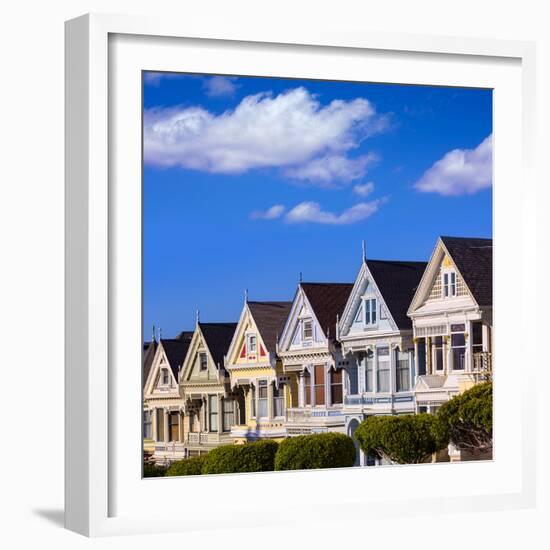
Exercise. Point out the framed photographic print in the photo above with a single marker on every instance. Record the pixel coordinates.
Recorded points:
(289, 265)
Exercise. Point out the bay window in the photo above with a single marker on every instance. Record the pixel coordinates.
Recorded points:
(228, 414)
(369, 371)
(262, 398)
(336, 388)
(403, 378)
(319, 384)
(458, 346)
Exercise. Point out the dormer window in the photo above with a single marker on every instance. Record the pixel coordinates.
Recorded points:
(307, 329)
(449, 284)
(370, 311)
(251, 344)
(203, 362)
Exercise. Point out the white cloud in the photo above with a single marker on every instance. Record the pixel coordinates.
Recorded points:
(328, 169)
(460, 172)
(153, 78)
(311, 212)
(272, 213)
(216, 86)
(291, 131)
(363, 189)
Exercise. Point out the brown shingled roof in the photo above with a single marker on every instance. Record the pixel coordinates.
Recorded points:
(327, 300)
(270, 318)
(474, 259)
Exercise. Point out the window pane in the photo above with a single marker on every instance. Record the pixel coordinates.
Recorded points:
(383, 377)
(319, 385)
(336, 387)
(458, 340)
(373, 311)
(369, 372)
(228, 414)
(307, 385)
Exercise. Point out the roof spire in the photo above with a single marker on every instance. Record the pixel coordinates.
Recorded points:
(245, 295)
(198, 316)
(364, 258)
(154, 336)
(301, 277)
(160, 334)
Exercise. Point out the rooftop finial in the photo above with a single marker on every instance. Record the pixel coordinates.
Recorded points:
(245, 295)
(198, 316)
(364, 259)
(301, 276)
(154, 335)
(160, 334)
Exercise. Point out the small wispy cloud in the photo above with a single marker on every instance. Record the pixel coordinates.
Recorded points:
(276, 211)
(217, 86)
(153, 78)
(330, 168)
(311, 212)
(292, 132)
(460, 171)
(363, 189)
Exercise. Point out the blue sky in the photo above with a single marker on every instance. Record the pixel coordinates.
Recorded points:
(250, 181)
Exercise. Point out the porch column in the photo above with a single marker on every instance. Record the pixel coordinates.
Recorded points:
(428, 355)
(182, 424)
(301, 389)
(270, 399)
(469, 359)
(375, 370)
(393, 368)
(220, 414)
(328, 381)
(154, 422)
(166, 426)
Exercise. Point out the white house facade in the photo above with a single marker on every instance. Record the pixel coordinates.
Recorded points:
(163, 411)
(377, 342)
(452, 320)
(311, 355)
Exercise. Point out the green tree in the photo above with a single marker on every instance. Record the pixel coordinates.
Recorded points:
(468, 419)
(250, 457)
(403, 439)
(325, 450)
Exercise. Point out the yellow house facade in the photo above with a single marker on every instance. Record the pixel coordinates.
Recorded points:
(257, 375)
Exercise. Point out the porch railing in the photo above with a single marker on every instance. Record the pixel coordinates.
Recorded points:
(482, 367)
(207, 438)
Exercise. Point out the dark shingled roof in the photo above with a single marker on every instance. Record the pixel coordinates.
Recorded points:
(270, 318)
(176, 350)
(218, 336)
(474, 260)
(327, 300)
(397, 282)
(149, 349)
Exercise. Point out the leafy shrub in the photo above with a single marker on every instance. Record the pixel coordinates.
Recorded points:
(187, 467)
(468, 418)
(250, 457)
(403, 439)
(150, 470)
(305, 452)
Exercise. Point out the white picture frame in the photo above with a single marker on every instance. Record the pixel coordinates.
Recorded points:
(103, 489)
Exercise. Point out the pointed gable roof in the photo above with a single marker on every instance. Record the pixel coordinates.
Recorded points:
(397, 282)
(218, 337)
(270, 318)
(327, 301)
(473, 258)
(149, 350)
(176, 350)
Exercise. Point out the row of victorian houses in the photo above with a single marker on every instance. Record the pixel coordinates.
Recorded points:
(404, 338)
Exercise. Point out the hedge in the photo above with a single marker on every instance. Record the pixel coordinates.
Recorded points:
(250, 457)
(402, 439)
(306, 452)
(150, 470)
(187, 467)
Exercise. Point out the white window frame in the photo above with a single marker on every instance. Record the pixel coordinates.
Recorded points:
(367, 320)
(249, 339)
(304, 337)
(164, 376)
(449, 288)
(201, 355)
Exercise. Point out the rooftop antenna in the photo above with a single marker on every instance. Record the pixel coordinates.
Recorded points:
(363, 250)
